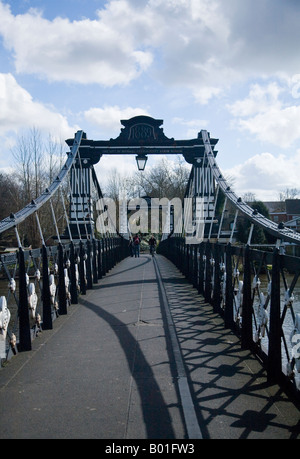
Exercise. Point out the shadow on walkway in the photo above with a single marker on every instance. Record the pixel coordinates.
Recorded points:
(156, 415)
(230, 389)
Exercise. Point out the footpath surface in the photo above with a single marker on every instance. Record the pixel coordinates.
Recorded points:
(109, 369)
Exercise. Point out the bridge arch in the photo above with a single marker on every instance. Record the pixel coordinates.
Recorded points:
(142, 136)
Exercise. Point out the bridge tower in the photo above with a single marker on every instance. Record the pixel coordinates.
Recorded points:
(81, 205)
(140, 136)
(82, 179)
(201, 196)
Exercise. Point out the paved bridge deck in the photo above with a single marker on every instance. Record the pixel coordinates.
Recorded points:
(114, 368)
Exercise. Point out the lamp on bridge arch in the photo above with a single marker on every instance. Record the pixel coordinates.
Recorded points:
(141, 160)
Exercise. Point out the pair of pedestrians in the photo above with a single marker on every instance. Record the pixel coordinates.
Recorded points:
(134, 246)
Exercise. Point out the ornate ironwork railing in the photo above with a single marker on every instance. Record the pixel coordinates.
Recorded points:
(256, 292)
(38, 285)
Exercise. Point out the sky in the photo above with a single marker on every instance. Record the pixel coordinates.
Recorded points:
(231, 67)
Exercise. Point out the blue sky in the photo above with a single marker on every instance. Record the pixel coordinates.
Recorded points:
(229, 66)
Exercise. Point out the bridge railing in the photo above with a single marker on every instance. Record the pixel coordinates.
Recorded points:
(257, 294)
(37, 286)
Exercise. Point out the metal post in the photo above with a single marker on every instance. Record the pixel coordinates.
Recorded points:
(228, 313)
(46, 298)
(94, 262)
(24, 324)
(99, 260)
(201, 268)
(113, 252)
(106, 252)
(104, 257)
(246, 333)
(81, 270)
(179, 253)
(187, 261)
(114, 249)
(274, 364)
(89, 281)
(62, 297)
(217, 285)
(73, 288)
(195, 266)
(207, 287)
(123, 247)
(182, 256)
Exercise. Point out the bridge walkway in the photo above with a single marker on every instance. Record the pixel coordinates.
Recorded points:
(120, 366)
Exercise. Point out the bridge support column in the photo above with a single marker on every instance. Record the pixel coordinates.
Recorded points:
(228, 315)
(24, 325)
(94, 262)
(246, 334)
(201, 269)
(73, 288)
(88, 264)
(207, 288)
(99, 260)
(195, 266)
(274, 355)
(81, 270)
(46, 298)
(217, 290)
(81, 201)
(62, 297)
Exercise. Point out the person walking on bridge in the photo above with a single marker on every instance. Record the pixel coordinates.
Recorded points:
(152, 244)
(136, 245)
(130, 245)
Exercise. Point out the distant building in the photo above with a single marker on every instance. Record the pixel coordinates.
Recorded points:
(293, 213)
(287, 212)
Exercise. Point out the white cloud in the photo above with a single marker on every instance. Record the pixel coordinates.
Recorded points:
(265, 35)
(260, 100)
(266, 175)
(265, 115)
(202, 45)
(196, 48)
(86, 51)
(193, 126)
(18, 110)
(108, 118)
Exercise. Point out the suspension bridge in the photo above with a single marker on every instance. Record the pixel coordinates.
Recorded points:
(201, 340)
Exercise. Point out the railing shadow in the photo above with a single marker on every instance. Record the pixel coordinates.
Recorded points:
(229, 386)
(156, 415)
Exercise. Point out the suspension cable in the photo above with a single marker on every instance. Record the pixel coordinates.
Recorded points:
(54, 220)
(65, 213)
(255, 217)
(29, 209)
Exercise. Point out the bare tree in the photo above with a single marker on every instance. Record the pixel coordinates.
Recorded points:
(37, 162)
(165, 180)
(10, 193)
(289, 193)
(249, 197)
